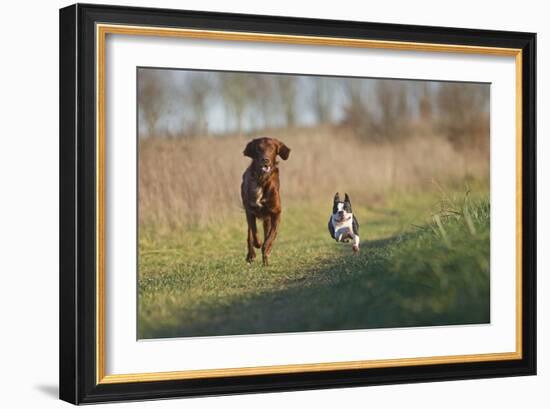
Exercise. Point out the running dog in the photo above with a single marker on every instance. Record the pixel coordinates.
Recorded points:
(260, 193)
(343, 225)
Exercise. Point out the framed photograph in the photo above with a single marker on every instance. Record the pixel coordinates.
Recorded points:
(258, 203)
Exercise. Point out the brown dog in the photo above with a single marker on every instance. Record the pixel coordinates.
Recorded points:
(260, 193)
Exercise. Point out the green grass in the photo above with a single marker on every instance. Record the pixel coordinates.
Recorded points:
(424, 261)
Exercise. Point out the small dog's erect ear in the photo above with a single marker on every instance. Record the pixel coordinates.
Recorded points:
(282, 150)
(346, 198)
(337, 197)
(249, 150)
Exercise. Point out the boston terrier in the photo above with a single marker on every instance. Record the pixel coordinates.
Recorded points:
(343, 225)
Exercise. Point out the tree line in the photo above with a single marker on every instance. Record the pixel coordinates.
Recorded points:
(200, 103)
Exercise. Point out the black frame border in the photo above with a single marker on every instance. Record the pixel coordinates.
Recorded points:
(77, 254)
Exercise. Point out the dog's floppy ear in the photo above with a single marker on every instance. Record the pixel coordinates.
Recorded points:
(282, 150)
(337, 197)
(250, 148)
(346, 198)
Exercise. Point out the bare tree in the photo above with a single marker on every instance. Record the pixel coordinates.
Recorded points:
(385, 118)
(262, 90)
(394, 108)
(425, 103)
(356, 113)
(322, 98)
(463, 113)
(151, 99)
(235, 94)
(287, 92)
(199, 89)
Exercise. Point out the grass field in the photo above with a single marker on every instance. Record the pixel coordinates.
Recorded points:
(424, 261)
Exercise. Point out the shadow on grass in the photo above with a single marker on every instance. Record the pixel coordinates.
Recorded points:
(391, 240)
(374, 289)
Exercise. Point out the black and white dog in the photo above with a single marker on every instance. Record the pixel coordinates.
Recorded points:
(343, 225)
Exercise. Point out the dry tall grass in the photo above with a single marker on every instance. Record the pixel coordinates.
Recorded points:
(185, 182)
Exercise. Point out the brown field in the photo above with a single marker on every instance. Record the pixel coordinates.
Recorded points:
(186, 182)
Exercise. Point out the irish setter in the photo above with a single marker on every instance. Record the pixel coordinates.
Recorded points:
(260, 193)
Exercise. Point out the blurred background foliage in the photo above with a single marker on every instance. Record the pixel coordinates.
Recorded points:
(180, 103)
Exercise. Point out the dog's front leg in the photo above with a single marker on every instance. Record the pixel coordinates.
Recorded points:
(252, 238)
(355, 246)
(270, 237)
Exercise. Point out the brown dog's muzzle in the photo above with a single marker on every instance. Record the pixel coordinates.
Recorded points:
(265, 165)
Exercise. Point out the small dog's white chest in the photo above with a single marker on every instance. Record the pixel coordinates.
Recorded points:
(346, 224)
(343, 229)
